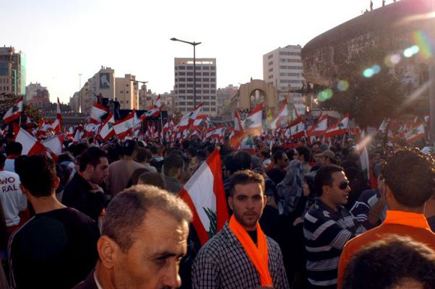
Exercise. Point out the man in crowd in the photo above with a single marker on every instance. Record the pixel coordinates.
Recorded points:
(172, 169)
(326, 158)
(84, 192)
(240, 255)
(143, 241)
(281, 161)
(57, 247)
(12, 199)
(303, 154)
(120, 172)
(410, 181)
(13, 151)
(327, 227)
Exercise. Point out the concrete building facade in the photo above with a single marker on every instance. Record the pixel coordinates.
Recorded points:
(205, 85)
(12, 71)
(224, 96)
(37, 95)
(283, 68)
(127, 91)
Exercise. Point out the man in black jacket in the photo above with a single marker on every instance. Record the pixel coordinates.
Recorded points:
(83, 192)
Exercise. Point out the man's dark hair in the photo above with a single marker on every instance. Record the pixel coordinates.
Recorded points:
(241, 161)
(324, 177)
(2, 161)
(389, 262)
(128, 210)
(91, 156)
(304, 151)
(153, 179)
(172, 163)
(245, 177)
(37, 174)
(14, 148)
(265, 154)
(410, 175)
(129, 147)
(278, 155)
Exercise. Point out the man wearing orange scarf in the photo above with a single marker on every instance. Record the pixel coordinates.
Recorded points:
(241, 255)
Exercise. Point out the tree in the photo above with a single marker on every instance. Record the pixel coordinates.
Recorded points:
(371, 96)
(7, 101)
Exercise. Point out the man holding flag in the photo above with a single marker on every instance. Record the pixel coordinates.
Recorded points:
(241, 255)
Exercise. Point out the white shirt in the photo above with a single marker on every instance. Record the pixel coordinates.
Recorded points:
(12, 199)
(10, 165)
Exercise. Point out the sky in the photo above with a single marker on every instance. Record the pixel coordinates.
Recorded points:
(62, 39)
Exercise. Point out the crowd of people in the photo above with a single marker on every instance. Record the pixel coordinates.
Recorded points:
(107, 215)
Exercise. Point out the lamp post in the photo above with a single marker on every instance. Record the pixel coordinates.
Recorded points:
(194, 44)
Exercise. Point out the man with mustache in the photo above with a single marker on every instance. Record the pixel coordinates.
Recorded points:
(241, 255)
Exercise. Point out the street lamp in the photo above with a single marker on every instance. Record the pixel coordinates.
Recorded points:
(194, 44)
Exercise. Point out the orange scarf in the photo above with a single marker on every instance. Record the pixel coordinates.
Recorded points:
(258, 255)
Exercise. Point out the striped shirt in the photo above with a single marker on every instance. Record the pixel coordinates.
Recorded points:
(326, 232)
(362, 207)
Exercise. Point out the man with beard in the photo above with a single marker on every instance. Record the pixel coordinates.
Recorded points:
(84, 192)
(241, 255)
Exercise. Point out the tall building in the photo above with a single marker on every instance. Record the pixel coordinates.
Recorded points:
(283, 68)
(205, 84)
(127, 91)
(12, 71)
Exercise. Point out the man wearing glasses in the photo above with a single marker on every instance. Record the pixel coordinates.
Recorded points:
(327, 227)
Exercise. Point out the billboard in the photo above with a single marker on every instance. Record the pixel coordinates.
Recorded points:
(104, 80)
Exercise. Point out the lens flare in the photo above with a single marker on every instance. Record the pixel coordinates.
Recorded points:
(392, 60)
(342, 85)
(411, 51)
(422, 41)
(325, 94)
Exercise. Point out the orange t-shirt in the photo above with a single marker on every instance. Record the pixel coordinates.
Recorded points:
(397, 222)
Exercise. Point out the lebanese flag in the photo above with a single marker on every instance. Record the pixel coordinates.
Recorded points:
(14, 112)
(31, 145)
(416, 133)
(384, 125)
(338, 128)
(253, 124)
(238, 133)
(124, 126)
(106, 130)
(216, 132)
(78, 135)
(197, 122)
(320, 127)
(297, 128)
(97, 112)
(189, 118)
(54, 144)
(205, 195)
(281, 118)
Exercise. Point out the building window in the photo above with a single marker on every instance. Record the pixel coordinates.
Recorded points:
(190, 103)
(190, 91)
(206, 91)
(291, 67)
(289, 53)
(206, 109)
(182, 103)
(190, 85)
(205, 80)
(213, 86)
(206, 97)
(213, 68)
(206, 85)
(270, 56)
(289, 74)
(182, 79)
(205, 68)
(270, 63)
(213, 109)
(190, 73)
(181, 67)
(181, 73)
(191, 79)
(190, 97)
(270, 76)
(190, 68)
(213, 97)
(271, 69)
(205, 73)
(182, 85)
(213, 103)
(182, 91)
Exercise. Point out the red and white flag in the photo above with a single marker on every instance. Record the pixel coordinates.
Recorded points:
(205, 195)
(58, 124)
(253, 124)
(197, 122)
(320, 127)
(216, 132)
(281, 118)
(188, 119)
(339, 128)
(125, 126)
(54, 144)
(384, 125)
(297, 128)
(14, 112)
(97, 112)
(238, 133)
(31, 145)
(106, 130)
(415, 134)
